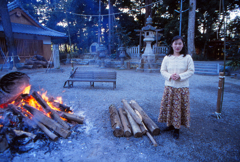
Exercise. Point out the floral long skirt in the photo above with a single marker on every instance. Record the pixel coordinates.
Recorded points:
(175, 107)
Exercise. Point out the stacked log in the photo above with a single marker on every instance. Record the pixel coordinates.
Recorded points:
(132, 120)
(36, 61)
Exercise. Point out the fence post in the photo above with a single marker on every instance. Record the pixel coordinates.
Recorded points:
(220, 93)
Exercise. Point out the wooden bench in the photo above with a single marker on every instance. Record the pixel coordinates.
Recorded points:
(91, 76)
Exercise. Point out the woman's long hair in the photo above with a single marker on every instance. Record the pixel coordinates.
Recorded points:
(183, 51)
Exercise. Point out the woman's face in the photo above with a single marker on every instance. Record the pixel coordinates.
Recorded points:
(177, 46)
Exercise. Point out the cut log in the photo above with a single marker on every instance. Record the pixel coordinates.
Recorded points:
(135, 127)
(36, 63)
(132, 112)
(153, 128)
(125, 123)
(142, 127)
(115, 121)
(27, 66)
(40, 117)
(71, 117)
(44, 105)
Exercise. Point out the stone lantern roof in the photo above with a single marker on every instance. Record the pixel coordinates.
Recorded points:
(149, 26)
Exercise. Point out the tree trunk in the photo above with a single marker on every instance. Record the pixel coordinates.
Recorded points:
(148, 10)
(125, 123)
(115, 121)
(7, 28)
(146, 119)
(191, 27)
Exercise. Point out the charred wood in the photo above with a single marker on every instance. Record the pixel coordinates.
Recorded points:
(20, 133)
(3, 143)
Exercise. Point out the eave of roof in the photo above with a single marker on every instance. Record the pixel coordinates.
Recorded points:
(28, 29)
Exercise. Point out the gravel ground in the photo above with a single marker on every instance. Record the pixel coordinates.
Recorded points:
(208, 138)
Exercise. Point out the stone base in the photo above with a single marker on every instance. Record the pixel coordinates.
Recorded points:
(148, 70)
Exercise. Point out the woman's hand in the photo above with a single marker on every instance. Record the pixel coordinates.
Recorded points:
(175, 76)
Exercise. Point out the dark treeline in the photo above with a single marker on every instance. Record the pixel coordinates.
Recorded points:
(84, 29)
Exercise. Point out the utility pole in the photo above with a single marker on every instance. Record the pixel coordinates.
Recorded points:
(181, 11)
(99, 23)
(109, 27)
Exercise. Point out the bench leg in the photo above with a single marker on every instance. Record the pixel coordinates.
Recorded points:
(114, 85)
(64, 86)
(70, 84)
(92, 84)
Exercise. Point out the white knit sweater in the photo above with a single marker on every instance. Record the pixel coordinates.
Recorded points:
(183, 66)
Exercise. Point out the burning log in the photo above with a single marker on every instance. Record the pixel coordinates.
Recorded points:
(40, 125)
(40, 117)
(115, 121)
(125, 123)
(55, 115)
(135, 127)
(12, 85)
(71, 117)
(154, 129)
(59, 105)
(131, 111)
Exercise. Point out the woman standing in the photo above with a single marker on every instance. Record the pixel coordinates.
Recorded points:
(176, 68)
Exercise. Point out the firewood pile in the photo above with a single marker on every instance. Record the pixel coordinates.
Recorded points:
(25, 115)
(34, 62)
(132, 120)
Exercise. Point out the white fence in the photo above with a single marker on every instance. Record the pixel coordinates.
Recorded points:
(134, 52)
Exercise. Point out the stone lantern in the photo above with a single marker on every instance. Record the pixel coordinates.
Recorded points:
(148, 61)
(101, 54)
(122, 55)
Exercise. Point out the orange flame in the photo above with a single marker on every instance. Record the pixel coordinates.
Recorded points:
(27, 90)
